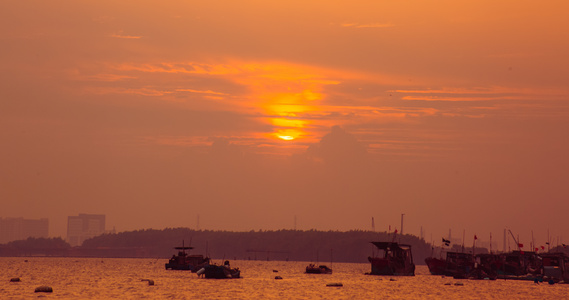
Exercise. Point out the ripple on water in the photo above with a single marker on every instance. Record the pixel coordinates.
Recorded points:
(92, 278)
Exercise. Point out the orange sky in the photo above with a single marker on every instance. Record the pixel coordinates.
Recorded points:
(250, 113)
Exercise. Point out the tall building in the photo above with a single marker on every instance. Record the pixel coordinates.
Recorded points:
(13, 229)
(83, 227)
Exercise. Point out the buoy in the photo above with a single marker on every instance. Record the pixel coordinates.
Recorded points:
(278, 277)
(150, 281)
(44, 289)
(459, 283)
(392, 279)
(15, 279)
(200, 271)
(335, 284)
(275, 271)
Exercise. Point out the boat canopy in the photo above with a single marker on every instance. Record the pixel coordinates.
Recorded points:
(391, 245)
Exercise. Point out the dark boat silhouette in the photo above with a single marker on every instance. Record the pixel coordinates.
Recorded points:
(397, 259)
(219, 272)
(185, 261)
(320, 269)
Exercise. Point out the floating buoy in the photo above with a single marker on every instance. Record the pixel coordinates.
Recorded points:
(551, 281)
(278, 277)
(200, 271)
(392, 279)
(459, 283)
(275, 271)
(335, 284)
(44, 289)
(150, 281)
(15, 279)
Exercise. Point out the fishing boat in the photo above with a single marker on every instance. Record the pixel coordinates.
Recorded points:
(459, 264)
(185, 261)
(487, 266)
(394, 259)
(437, 266)
(219, 272)
(519, 263)
(321, 269)
(555, 267)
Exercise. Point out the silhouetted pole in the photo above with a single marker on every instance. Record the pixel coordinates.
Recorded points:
(295, 222)
(402, 223)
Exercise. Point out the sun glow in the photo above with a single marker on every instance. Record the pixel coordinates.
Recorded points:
(288, 134)
(285, 137)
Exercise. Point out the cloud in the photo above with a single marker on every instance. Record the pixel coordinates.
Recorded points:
(200, 92)
(122, 36)
(479, 94)
(369, 25)
(338, 148)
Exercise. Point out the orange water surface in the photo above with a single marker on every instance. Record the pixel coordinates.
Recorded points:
(97, 278)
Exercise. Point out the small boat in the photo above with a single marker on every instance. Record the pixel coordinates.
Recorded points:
(397, 259)
(321, 269)
(220, 272)
(185, 261)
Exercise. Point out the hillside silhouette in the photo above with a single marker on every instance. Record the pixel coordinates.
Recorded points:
(297, 245)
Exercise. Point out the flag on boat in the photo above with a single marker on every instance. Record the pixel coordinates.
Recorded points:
(446, 242)
(520, 245)
(542, 248)
(475, 237)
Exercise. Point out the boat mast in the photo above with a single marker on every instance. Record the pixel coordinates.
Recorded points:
(517, 241)
(402, 223)
(401, 228)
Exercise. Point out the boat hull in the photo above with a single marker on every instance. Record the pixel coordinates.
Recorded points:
(382, 266)
(220, 272)
(312, 269)
(436, 266)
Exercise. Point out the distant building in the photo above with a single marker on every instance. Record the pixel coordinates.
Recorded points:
(83, 227)
(13, 229)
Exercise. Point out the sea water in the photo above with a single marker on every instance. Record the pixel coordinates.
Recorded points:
(104, 278)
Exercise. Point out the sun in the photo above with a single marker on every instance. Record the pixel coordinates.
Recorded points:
(286, 137)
